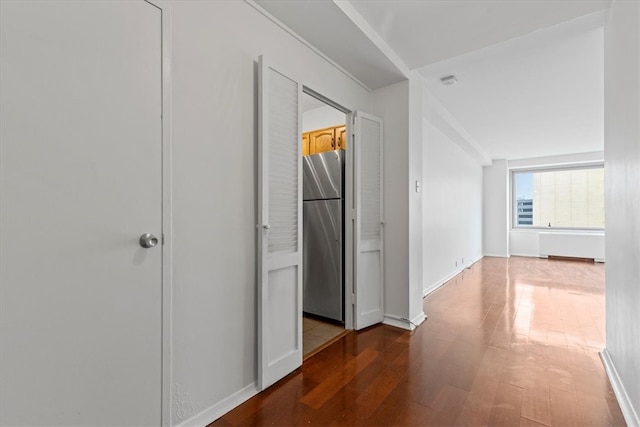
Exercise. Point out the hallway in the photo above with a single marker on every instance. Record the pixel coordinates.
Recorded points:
(507, 342)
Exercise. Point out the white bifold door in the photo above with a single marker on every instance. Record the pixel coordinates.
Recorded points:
(280, 225)
(367, 224)
(80, 184)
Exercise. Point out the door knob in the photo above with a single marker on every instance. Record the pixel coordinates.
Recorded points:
(148, 240)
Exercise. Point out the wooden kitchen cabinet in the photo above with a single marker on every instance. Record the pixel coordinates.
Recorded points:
(305, 144)
(322, 140)
(341, 137)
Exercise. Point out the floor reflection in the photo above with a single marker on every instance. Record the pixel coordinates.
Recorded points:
(508, 342)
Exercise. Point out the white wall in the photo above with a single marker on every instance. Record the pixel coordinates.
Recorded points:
(392, 103)
(495, 209)
(499, 238)
(323, 117)
(452, 208)
(215, 48)
(525, 242)
(416, 195)
(622, 194)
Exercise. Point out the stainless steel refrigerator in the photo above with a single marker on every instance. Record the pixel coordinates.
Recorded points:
(323, 183)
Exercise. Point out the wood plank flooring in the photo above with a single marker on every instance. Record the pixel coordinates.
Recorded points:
(509, 342)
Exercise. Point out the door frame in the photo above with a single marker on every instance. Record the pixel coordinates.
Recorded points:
(349, 209)
(166, 209)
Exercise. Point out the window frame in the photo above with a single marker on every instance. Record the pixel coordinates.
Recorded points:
(513, 199)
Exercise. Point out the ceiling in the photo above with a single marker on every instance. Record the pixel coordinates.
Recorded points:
(310, 103)
(529, 71)
(325, 26)
(538, 95)
(425, 32)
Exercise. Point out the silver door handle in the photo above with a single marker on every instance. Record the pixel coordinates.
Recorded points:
(148, 240)
(266, 226)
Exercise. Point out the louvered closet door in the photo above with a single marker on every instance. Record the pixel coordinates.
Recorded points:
(368, 242)
(280, 227)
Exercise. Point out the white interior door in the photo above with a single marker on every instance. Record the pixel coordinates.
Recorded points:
(280, 225)
(368, 241)
(80, 182)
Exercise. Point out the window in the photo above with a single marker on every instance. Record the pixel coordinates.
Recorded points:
(559, 198)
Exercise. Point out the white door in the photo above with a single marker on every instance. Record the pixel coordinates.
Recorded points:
(368, 254)
(80, 165)
(280, 225)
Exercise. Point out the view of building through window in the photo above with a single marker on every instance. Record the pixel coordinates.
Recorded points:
(572, 198)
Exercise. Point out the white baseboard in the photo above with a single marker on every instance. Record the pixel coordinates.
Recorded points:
(498, 255)
(397, 322)
(403, 323)
(417, 321)
(430, 288)
(547, 257)
(434, 287)
(628, 411)
(214, 412)
(526, 255)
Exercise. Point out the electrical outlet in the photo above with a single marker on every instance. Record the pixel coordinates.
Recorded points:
(463, 260)
(456, 263)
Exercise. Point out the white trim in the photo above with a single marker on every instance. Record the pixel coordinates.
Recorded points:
(167, 218)
(526, 255)
(566, 160)
(296, 36)
(167, 210)
(439, 117)
(628, 412)
(217, 410)
(348, 224)
(403, 322)
(435, 286)
(375, 38)
(398, 322)
(439, 283)
(421, 317)
(497, 255)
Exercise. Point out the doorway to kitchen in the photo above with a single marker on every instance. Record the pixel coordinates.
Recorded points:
(280, 220)
(324, 144)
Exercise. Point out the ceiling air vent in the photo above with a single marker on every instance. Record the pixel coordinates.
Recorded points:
(449, 80)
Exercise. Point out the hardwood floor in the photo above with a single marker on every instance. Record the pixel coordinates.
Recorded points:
(509, 342)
